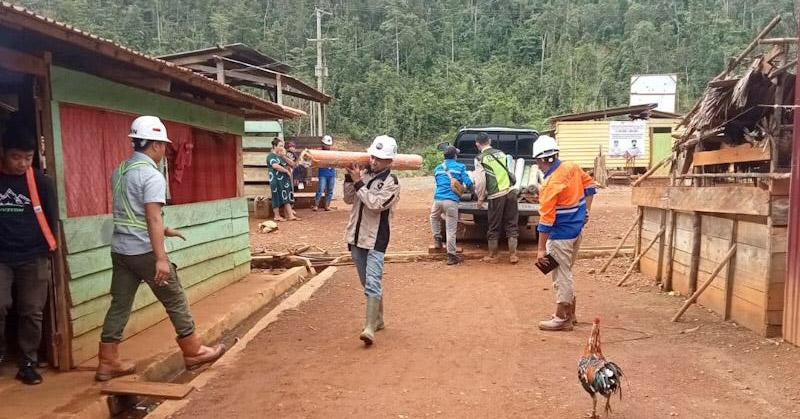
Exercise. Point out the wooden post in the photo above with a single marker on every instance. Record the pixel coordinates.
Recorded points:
(731, 274)
(62, 337)
(279, 99)
(639, 257)
(705, 285)
(660, 258)
(666, 284)
(220, 71)
(619, 246)
(694, 261)
(637, 247)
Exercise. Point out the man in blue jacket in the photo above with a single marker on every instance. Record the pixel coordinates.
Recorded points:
(446, 199)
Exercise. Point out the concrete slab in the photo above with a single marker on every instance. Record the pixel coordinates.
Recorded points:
(75, 394)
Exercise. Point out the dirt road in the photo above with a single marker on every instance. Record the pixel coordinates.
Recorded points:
(462, 342)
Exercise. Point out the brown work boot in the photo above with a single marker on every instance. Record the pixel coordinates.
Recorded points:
(196, 354)
(109, 365)
(560, 322)
(492, 256)
(512, 250)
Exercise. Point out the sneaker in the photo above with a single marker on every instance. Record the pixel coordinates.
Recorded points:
(28, 375)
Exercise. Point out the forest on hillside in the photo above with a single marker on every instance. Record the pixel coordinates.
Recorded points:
(420, 69)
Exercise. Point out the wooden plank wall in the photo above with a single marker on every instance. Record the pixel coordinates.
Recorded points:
(216, 253)
(755, 297)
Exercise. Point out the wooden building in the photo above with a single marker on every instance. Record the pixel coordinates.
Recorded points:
(581, 136)
(81, 92)
(724, 205)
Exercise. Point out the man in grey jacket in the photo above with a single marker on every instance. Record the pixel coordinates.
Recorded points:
(373, 192)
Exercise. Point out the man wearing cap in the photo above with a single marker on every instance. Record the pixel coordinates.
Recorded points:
(451, 180)
(26, 240)
(565, 199)
(138, 253)
(327, 180)
(373, 192)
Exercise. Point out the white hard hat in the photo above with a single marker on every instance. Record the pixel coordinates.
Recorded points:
(149, 128)
(327, 140)
(383, 147)
(544, 146)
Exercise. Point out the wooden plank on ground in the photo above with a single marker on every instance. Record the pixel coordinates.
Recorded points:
(148, 389)
(738, 154)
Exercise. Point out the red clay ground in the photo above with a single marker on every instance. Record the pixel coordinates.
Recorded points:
(462, 342)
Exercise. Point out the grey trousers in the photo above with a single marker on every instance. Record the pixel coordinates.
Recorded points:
(128, 273)
(450, 211)
(32, 280)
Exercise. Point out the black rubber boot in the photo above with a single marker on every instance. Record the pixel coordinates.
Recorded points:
(453, 259)
(437, 242)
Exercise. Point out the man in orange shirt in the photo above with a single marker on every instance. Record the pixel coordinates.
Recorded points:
(565, 198)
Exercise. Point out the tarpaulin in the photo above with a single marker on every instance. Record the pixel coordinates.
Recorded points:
(94, 142)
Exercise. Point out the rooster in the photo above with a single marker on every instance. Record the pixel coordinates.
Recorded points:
(598, 376)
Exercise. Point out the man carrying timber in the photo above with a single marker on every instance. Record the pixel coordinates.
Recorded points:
(373, 192)
(503, 207)
(565, 199)
(28, 214)
(138, 253)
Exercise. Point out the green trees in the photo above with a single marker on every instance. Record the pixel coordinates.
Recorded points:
(461, 62)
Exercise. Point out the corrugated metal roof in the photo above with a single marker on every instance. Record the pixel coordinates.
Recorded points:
(642, 111)
(20, 18)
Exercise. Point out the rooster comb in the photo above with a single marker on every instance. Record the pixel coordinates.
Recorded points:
(597, 320)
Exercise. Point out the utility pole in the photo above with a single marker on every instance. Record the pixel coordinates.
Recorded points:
(396, 48)
(321, 71)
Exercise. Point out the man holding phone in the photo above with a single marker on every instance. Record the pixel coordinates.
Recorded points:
(565, 199)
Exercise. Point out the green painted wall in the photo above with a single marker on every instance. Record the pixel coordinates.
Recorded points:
(216, 253)
(85, 89)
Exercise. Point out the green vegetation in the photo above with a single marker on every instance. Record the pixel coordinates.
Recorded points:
(462, 62)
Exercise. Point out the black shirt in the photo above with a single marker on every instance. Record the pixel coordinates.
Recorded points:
(21, 238)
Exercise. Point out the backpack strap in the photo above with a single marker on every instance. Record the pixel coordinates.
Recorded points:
(33, 190)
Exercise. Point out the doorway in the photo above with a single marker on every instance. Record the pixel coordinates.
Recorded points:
(24, 102)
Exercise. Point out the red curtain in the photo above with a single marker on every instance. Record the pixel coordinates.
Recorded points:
(94, 142)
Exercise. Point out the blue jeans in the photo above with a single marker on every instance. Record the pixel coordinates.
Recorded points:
(369, 264)
(326, 185)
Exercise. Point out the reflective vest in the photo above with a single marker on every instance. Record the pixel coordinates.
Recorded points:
(120, 192)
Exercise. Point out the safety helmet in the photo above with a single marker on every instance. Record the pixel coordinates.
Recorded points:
(544, 146)
(149, 128)
(383, 147)
(327, 140)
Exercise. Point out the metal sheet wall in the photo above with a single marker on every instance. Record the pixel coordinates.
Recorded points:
(791, 310)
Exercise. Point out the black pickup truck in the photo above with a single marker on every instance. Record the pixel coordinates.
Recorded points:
(516, 142)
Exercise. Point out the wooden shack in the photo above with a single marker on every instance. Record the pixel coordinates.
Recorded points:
(582, 136)
(727, 193)
(80, 93)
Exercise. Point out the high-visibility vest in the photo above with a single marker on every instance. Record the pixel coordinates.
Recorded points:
(33, 191)
(130, 220)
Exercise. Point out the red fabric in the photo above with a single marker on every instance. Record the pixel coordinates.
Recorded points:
(94, 142)
(211, 173)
